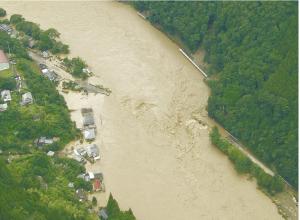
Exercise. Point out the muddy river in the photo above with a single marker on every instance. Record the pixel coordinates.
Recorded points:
(156, 158)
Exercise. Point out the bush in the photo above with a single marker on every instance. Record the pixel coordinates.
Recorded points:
(2, 12)
(16, 18)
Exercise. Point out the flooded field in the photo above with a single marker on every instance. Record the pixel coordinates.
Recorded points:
(156, 156)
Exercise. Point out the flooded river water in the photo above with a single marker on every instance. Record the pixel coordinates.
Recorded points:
(156, 158)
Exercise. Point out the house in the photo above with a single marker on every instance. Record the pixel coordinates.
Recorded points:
(27, 98)
(89, 134)
(103, 214)
(50, 153)
(5, 95)
(92, 150)
(78, 158)
(80, 194)
(88, 117)
(97, 185)
(51, 75)
(3, 107)
(4, 63)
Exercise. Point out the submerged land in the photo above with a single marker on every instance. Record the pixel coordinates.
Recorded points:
(156, 156)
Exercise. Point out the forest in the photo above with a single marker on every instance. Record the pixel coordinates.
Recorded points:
(252, 52)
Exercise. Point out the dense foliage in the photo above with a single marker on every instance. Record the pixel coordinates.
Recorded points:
(35, 187)
(2, 12)
(252, 51)
(46, 40)
(114, 212)
(75, 66)
(244, 165)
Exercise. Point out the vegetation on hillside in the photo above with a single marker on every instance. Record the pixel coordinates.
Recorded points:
(252, 50)
(244, 165)
(114, 212)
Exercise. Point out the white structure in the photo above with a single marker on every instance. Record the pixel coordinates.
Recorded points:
(5, 95)
(3, 107)
(4, 63)
(89, 134)
(92, 150)
(50, 153)
(27, 98)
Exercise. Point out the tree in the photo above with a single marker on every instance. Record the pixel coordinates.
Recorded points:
(2, 12)
(94, 201)
(16, 18)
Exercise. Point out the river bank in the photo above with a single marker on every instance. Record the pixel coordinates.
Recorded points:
(155, 156)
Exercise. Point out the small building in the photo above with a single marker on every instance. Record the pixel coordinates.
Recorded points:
(91, 175)
(3, 107)
(92, 151)
(4, 63)
(103, 214)
(80, 194)
(78, 158)
(5, 95)
(27, 98)
(80, 151)
(88, 117)
(97, 185)
(89, 134)
(44, 141)
(50, 74)
(50, 153)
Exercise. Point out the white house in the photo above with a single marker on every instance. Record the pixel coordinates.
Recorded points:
(4, 63)
(5, 95)
(27, 98)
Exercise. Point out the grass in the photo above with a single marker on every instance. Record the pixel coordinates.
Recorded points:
(4, 74)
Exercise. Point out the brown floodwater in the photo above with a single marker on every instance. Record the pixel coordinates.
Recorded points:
(156, 158)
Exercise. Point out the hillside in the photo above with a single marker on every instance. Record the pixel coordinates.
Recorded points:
(252, 51)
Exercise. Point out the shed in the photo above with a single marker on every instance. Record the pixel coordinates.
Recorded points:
(4, 63)
(27, 98)
(5, 95)
(97, 185)
(88, 119)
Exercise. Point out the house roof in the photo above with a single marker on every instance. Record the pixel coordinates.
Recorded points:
(97, 185)
(88, 119)
(3, 58)
(103, 214)
(92, 150)
(89, 134)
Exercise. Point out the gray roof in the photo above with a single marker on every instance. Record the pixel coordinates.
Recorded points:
(5, 95)
(103, 214)
(92, 150)
(27, 98)
(88, 119)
